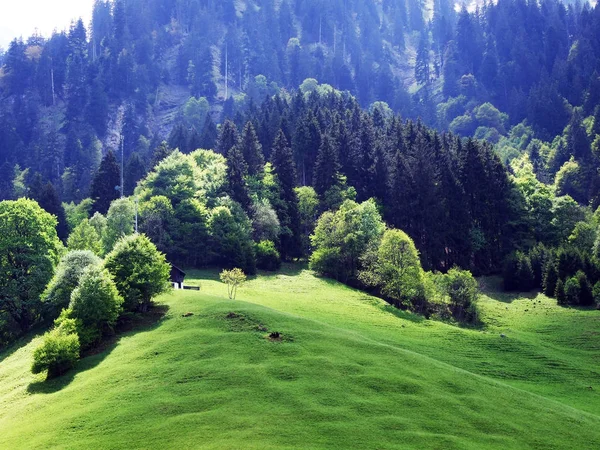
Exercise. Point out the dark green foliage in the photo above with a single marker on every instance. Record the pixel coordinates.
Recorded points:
(228, 138)
(559, 292)
(327, 167)
(231, 240)
(135, 170)
(518, 273)
(50, 202)
(106, 184)
(550, 279)
(572, 291)
(287, 206)
(237, 171)
(586, 296)
(463, 291)
(252, 151)
(29, 252)
(267, 256)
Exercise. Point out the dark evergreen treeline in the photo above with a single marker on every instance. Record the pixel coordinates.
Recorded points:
(453, 197)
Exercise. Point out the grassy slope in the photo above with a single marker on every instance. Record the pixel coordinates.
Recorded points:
(350, 372)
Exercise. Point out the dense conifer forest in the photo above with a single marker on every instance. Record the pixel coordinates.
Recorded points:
(237, 130)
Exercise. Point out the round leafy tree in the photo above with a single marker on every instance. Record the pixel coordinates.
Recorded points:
(66, 278)
(29, 252)
(95, 304)
(58, 353)
(140, 271)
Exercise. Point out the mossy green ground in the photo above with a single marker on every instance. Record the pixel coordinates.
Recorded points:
(348, 372)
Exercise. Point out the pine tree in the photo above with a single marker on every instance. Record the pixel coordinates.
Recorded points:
(422, 70)
(135, 170)
(287, 204)
(50, 202)
(7, 174)
(252, 151)
(160, 153)
(210, 134)
(228, 138)
(237, 170)
(327, 167)
(179, 138)
(106, 184)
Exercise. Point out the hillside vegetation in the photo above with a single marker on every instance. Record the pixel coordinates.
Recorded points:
(347, 370)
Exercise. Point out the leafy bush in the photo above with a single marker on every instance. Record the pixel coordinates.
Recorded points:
(586, 296)
(139, 270)
(231, 238)
(233, 279)
(267, 256)
(462, 289)
(341, 239)
(572, 291)
(395, 269)
(66, 278)
(95, 305)
(85, 237)
(57, 354)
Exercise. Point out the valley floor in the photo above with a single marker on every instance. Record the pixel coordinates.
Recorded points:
(348, 371)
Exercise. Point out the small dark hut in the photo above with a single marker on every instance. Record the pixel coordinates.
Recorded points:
(177, 277)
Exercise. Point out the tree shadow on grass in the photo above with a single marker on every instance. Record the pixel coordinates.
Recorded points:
(493, 288)
(21, 342)
(131, 325)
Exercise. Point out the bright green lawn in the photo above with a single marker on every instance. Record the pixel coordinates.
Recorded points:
(350, 372)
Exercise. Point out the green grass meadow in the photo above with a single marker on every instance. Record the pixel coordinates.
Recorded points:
(348, 371)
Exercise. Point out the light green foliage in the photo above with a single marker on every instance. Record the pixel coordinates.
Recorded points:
(267, 256)
(233, 278)
(212, 175)
(566, 213)
(308, 86)
(119, 222)
(66, 278)
(95, 305)
(76, 213)
(195, 111)
(308, 208)
(29, 252)
(174, 177)
(98, 221)
(85, 237)
(487, 115)
(265, 223)
(570, 180)
(57, 354)
(583, 236)
(139, 270)
(394, 267)
(341, 238)
(20, 182)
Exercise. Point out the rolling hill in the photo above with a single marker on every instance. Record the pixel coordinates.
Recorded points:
(346, 371)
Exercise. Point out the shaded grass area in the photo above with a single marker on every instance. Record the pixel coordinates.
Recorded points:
(345, 372)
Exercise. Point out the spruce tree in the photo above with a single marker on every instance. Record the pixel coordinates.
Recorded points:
(237, 170)
(106, 184)
(50, 202)
(160, 153)
(135, 170)
(210, 134)
(327, 167)
(227, 138)
(7, 174)
(252, 151)
(422, 70)
(287, 204)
